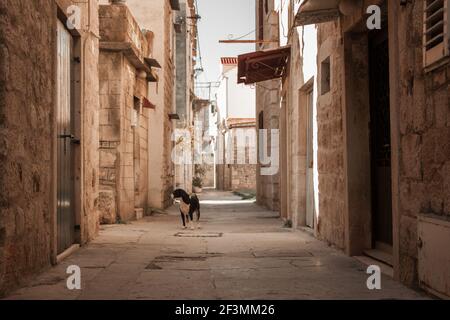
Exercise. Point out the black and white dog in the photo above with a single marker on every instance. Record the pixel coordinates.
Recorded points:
(188, 205)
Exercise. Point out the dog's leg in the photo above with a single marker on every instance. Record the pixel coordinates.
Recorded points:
(184, 220)
(191, 220)
(198, 219)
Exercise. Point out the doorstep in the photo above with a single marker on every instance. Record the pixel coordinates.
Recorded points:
(380, 255)
(369, 261)
(71, 250)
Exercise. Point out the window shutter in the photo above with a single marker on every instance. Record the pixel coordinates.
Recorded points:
(436, 30)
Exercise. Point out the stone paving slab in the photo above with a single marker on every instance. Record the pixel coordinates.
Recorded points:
(255, 258)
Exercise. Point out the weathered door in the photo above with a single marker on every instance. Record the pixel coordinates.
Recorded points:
(310, 163)
(65, 212)
(380, 145)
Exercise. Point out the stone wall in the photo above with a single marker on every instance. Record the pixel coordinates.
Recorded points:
(110, 115)
(27, 136)
(168, 169)
(208, 179)
(330, 122)
(296, 136)
(424, 128)
(420, 136)
(243, 177)
(26, 126)
(268, 106)
(124, 146)
(156, 15)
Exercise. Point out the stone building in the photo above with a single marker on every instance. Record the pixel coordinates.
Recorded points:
(49, 159)
(186, 53)
(236, 135)
(393, 171)
(126, 68)
(267, 102)
(203, 143)
(375, 110)
(158, 16)
(233, 174)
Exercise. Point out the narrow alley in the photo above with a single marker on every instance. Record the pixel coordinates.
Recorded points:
(314, 134)
(241, 252)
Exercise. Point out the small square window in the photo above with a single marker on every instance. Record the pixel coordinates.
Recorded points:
(325, 76)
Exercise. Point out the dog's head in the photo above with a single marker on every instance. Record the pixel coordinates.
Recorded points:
(180, 194)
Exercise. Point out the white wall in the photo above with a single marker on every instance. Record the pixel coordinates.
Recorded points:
(307, 37)
(235, 100)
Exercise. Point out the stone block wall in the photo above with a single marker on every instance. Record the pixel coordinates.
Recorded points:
(168, 168)
(26, 127)
(123, 146)
(156, 15)
(268, 102)
(330, 122)
(27, 133)
(243, 177)
(424, 129)
(110, 132)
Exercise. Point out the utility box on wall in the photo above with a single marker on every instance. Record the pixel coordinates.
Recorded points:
(434, 254)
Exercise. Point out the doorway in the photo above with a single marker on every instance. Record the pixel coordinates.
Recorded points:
(380, 140)
(310, 160)
(64, 114)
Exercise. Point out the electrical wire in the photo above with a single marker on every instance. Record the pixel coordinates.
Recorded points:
(241, 37)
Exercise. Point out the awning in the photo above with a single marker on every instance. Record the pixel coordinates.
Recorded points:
(263, 65)
(317, 11)
(152, 63)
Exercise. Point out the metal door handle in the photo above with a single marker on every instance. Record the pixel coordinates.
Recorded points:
(66, 136)
(74, 140)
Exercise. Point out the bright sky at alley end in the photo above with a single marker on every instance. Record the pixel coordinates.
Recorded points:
(220, 21)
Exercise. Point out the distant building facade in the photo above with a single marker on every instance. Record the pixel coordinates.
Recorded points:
(125, 69)
(236, 133)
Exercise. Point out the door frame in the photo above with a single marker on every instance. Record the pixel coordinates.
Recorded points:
(304, 118)
(358, 205)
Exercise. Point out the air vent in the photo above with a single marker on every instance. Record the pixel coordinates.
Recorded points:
(436, 30)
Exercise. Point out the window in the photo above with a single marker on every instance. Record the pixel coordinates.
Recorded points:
(325, 76)
(135, 113)
(261, 120)
(436, 30)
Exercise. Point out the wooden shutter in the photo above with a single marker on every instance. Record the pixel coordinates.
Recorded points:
(436, 30)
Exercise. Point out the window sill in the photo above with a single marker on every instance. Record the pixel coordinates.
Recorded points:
(444, 61)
